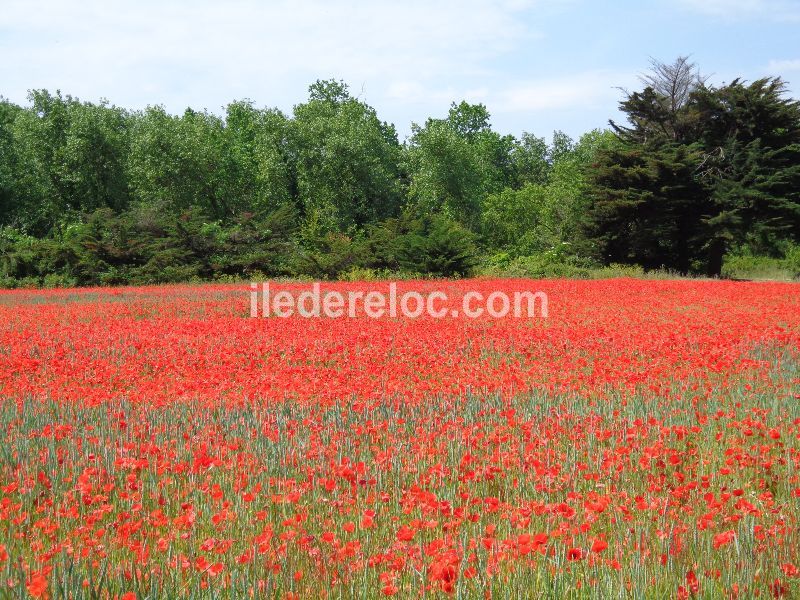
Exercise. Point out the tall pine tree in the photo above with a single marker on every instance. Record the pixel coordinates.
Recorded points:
(699, 170)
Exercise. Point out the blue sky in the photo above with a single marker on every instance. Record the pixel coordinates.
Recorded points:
(538, 65)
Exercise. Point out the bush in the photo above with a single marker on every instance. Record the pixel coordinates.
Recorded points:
(438, 246)
(55, 280)
(745, 265)
(364, 274)
(329, 257)
(614, 271)
(7, 283)
(538, 266)
(791, 260)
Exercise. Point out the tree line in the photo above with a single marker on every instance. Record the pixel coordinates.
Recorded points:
(93, 194)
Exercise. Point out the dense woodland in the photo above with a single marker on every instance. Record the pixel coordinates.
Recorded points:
(700, 176)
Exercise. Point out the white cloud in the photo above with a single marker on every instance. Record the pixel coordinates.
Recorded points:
(588, 90)
(774, 10)
(170, 47)
(777, 67)
(415, 92)
(409, 59)
(589, 98)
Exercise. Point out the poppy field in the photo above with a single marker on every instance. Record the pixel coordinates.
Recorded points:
(642, 441)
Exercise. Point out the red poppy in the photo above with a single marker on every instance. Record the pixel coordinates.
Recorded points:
(574, 554)
(723, 539)
(37, 586)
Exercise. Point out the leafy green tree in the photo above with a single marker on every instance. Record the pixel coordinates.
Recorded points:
(259, 166)
(444, 171)
(346, 160)
(530, 157)
(96, 148)
(699, 171)
(71, 160)
(494, 153)
(8, 162)
(561, 147)
(178, 163)
(542, 216)
(750, 135)
(513, 221)
(568, 190)
(439, 246)
(40, 134)
(454, 163)
(469, 120)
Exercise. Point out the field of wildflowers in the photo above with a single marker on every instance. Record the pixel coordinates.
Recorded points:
(642, 441)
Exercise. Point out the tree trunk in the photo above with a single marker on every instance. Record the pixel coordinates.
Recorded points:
(716, 251)
(683, 250)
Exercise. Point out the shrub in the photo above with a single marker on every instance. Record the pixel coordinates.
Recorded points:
(538, 266)
(438, 246)
(748, 266)
(329, 257)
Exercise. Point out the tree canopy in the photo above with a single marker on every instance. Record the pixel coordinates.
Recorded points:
(698, 172)
(91, 193)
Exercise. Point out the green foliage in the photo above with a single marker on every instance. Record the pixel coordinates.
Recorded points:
(754, 267)
(531, 161)
(791, 260)
(67, 158)
(540, 216)
(454, 163)
(515, 221)
(146, 246)
(91, 194)
(258, 164)
(439, 246)
(751, 137)
(700, 171)
(536, 266)
(177, 162)
(347, 160)
(444, 172)
(329, 256)
(8, 162)
(429, 244)
(745, 264)
(648, 206)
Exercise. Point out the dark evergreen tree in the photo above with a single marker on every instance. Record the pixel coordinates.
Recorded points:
(750, 135)
(698, 171)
